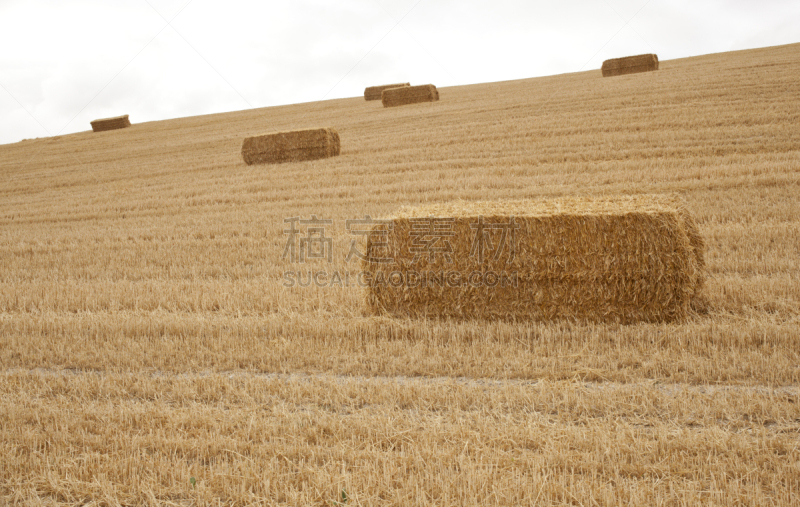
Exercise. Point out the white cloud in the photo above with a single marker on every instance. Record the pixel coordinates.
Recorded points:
(58, 56)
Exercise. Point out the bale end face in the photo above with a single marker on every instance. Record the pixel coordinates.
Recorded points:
(118, 122)
(409, 95)
(292, 146)
(630, 65)
(623, 260)
(374, 92)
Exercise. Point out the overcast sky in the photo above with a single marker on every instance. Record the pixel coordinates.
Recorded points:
(64, 63)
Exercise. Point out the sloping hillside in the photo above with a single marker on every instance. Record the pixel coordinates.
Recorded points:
(142, 302)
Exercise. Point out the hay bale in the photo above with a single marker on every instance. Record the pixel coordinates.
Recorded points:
(293, 146)
(409, 95)
(374, 92)
(118, 122)
(630, 65)
(625, 259)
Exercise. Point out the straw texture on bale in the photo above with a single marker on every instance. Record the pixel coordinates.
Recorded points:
(118, 122)
(624, 260)
(630, 65)
(374, 92)
(292, 146)
(409, 95)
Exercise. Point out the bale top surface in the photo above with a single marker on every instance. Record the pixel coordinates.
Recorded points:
(114, 118)
(617, 205)
(380, 88)
(294, 132)
(631, 61)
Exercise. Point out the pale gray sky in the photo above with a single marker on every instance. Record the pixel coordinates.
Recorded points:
(65, 63)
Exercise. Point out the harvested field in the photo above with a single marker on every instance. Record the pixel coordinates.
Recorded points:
(630, 65)
(374, 92)
(294, 146)
(118, 122)
(148, 334)
(369, 437)
(409, 95)
(625, 259)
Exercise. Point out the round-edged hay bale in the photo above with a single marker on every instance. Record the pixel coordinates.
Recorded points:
(291, 146)
(117, 122)
(623, 259)
(409, 95)
(374, 92)
(630, 65)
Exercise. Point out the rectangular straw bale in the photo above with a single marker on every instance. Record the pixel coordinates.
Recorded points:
(624, 259)
(630, 65)
(118, 122)
(374, 92)
(292, 146)
(409, 95)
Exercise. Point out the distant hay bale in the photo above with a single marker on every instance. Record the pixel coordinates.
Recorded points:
(630, 65)
(409, 95)
(118, 122)
(374, 92)
(293, 146)
(626, 259)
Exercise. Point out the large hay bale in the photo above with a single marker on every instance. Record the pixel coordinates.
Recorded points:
(293, 146)
(374, 92)
(630, 65)
(118, 122)
(625, 259)
(409, 95)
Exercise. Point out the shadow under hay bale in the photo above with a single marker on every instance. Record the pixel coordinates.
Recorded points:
(293, 146)
(118, 122)
(409, 95)
(374, 92)
(630, 65)
(624, 260)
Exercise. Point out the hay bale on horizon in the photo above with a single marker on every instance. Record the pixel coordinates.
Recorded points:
(117, 122)
(630, 65)
(624, 260)
(374, 92)
(409, 95)
(291, 146)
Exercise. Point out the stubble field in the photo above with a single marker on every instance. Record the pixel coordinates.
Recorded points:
(151, 353)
